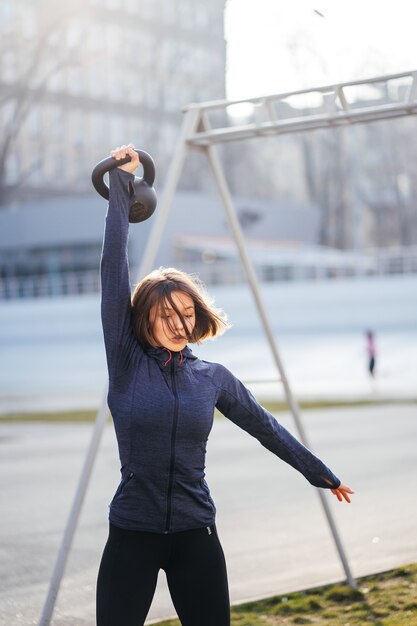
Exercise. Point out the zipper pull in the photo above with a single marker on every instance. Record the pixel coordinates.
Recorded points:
(208, 530)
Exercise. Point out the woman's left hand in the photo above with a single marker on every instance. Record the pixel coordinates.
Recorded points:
(342, 492)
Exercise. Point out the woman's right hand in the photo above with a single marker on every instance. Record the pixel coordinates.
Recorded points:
(122, 152)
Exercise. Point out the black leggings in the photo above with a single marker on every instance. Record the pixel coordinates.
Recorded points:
(195, 569)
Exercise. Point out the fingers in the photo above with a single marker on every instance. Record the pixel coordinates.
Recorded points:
(342, 493)
(337, 493)
(123, 151)
(127, 151)
(345, 496)
(345, 491)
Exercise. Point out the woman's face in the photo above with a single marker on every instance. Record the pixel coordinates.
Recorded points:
(166, 326)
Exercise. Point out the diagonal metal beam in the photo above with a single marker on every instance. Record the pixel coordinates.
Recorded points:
(236, 229)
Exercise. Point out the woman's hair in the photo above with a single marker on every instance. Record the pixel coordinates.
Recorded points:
(156, 289)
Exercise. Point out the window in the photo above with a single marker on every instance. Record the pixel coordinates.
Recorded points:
(12, 168)
(153, 93)
(9, 67)
(113, 4)
(172, 100)
(117, 129)
(145, 50)
(33, 122)
(28, 21)
(7, 10)
(76, 80)
(201, 15)
(77, 127)
(132, 6)
(57, 81)
(34, 175)
(8, 112)
(73, 34)
(98, 127)
(148, 8)
(187, 63)
(59, 168)
(169, 55)
(168, 135)
(114, 37)
(97, 78)
(168, 10)
(95, 37)
(135, 130)
(185, 14)
(56, 122)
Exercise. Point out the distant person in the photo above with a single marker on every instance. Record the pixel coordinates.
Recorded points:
(371, 352)
(162, 399)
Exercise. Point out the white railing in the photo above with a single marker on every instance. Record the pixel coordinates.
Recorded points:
(386, 262)
(68, 283)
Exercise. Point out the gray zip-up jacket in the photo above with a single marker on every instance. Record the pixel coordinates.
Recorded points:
(163, 404)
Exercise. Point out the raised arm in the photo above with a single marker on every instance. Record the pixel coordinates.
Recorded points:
(237, 403)
(115, 280)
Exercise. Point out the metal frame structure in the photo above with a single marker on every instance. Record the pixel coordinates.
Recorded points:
(330, 106)
(207, 124)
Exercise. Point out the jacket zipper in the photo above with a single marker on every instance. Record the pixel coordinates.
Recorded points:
(173, 442)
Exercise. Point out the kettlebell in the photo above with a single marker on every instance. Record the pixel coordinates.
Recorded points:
(142, 194)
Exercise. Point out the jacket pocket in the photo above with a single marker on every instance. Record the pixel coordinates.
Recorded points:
(204, 486)
(123, 483)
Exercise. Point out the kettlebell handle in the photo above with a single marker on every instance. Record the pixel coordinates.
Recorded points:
(110, 163)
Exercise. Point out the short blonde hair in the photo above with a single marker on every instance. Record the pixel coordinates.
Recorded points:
(156, 288)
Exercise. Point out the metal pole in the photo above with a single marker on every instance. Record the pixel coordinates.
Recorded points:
(62, 557)
(252, 279)
(189, 125)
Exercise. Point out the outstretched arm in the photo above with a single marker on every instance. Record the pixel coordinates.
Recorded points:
(115, 280)
(237, 403)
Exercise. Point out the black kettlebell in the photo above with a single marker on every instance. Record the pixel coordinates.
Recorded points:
(142, 194)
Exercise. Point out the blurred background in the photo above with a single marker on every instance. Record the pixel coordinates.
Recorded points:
(330, 220)
(330, 216)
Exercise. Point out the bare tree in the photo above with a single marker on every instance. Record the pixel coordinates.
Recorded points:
(386, 188)
(31, 84)
(326, 168)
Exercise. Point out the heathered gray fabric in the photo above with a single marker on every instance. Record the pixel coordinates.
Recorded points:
(163, 405)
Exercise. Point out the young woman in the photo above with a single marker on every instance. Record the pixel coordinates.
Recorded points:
(162, 399)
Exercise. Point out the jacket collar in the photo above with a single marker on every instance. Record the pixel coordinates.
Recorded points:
(166, 357)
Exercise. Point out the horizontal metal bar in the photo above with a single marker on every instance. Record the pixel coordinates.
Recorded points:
(303, 123)
(217, 104)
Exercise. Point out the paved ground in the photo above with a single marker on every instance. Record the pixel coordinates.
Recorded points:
(270, 521)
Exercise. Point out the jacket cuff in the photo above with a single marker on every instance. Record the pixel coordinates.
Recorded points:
(120, 178)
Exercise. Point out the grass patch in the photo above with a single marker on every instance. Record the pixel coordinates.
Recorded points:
(343, 593)
(305, 405)
(53, 416)
(376, 601)
(272, 407)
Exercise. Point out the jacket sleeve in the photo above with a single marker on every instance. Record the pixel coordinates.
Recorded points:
(115, 280)
(237, 403)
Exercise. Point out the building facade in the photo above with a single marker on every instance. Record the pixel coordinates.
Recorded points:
(80, 78)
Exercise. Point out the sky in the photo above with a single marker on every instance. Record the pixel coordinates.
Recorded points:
(275, 46)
